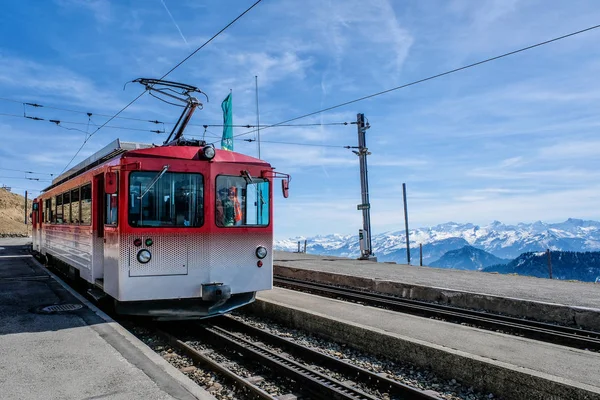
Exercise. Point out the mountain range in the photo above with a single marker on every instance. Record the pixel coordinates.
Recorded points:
(505, 242)
(469, 258)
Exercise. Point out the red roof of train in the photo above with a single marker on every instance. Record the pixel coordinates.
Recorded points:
(191, 153)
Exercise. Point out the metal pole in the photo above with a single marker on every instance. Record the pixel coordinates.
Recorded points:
(420, 254)
(26, 207)
(362, 153)
(406, 223)
(549, 262)
(298, 246)
(257, 117)
(304, 245)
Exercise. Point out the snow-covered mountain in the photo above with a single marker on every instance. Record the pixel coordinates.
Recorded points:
(503, 241)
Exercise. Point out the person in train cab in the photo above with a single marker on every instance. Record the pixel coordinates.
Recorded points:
(229, 210)
(181, 207)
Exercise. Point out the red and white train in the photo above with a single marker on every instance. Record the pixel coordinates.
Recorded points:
(172, 232)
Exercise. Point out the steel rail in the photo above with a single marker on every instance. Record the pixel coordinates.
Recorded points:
(203, 359)
(354, 372)
(319, 385)
(557, 334)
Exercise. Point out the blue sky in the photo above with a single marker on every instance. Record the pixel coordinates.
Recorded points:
(513, 140)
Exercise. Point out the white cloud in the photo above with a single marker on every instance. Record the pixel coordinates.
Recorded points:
(50, 81)
(573, 150)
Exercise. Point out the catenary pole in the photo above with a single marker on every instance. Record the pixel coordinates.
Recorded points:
(366, 248)
(406, 223)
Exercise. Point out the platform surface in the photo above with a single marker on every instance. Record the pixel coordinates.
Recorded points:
(574, 367)
(569, 293)
(75, 354)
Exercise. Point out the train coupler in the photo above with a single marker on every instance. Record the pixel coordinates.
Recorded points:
(213, 292)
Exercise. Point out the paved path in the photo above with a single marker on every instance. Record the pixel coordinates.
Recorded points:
(578, 294)
(75, 355)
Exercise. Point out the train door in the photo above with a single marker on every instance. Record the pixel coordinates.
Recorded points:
(36, 226)
(98, 230)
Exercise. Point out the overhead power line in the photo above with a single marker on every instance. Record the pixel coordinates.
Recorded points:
(211, 39)
(266, 125)
(428, 78)
(21, 188)
(300, 144)
(59, 122)
(30, 179)
(26, 172)
(276, 142)
(162, 77)
(89, 114)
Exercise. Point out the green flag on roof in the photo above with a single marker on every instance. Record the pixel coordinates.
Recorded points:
(227, 140)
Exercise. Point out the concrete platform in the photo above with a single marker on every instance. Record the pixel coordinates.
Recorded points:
(509, 366)
(565, 302)
(80, 354)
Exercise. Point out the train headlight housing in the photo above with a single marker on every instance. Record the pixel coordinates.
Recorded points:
(261, 252)
(208, 152)
(144, 256)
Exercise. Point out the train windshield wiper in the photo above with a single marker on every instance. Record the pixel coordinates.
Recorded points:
(153, 182)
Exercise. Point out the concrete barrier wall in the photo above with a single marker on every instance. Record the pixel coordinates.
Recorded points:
(485, 375)
(546, 312)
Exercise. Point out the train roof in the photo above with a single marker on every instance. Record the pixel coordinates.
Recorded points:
(112, 150)
(117, 148)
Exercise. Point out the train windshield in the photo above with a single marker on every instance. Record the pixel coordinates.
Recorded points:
(172, 200)
(241, 201)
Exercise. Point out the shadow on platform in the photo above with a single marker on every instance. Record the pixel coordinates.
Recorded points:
(26, 292)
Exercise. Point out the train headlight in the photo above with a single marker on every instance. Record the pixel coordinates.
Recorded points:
(208, 152)
(144, 256)
(261, 252)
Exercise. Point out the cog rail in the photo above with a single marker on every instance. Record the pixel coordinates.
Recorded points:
(203, 359)
(357, 374)
(319, 385)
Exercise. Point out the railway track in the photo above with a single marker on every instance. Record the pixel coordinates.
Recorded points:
(283, 357)
(563, 335)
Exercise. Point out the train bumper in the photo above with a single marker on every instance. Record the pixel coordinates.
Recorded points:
(182, 309)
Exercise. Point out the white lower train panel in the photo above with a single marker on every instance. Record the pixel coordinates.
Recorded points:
(181, 264)
(71, 247)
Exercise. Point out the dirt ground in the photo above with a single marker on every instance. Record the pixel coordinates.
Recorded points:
(12, 214)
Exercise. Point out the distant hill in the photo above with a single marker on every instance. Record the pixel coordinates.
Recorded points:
(568, 265)
(431, 251)
(468, 258)
(12, 213)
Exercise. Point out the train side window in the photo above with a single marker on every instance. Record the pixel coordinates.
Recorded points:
(48, 211)
(75, 217)
(86, 204)
(59, 209)
(53, 211)
(111, 211)
(67, 207)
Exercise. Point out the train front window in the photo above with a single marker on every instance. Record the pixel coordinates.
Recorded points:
(241, 201)
(174, 200)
